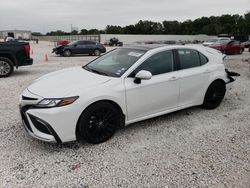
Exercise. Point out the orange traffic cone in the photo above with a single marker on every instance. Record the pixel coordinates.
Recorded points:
(46, 58)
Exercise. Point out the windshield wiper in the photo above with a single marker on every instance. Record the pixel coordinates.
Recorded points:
(95, 71)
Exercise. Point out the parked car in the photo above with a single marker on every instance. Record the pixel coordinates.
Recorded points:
(246, 44)
(114, 42)
(216, 40)
(124, 86)
(80, 47)
(230, 47)
(13, 54)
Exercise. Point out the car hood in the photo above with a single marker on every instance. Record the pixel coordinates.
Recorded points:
(59, 47)
(66, 83)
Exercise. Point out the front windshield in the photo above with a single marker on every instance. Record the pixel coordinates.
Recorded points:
(116, 62)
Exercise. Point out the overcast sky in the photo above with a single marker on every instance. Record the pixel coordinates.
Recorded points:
(48, 15)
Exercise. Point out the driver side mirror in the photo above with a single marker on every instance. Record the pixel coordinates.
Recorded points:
(142, 75)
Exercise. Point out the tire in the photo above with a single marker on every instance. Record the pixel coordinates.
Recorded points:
(97, 52)
(67, 53)
(98, 123)
(6, 67)
(214, 95)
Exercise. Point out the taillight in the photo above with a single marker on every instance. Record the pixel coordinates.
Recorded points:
(27, 49)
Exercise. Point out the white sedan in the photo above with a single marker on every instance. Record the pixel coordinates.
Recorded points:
(124, 86)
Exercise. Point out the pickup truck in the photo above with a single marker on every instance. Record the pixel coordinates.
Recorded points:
(13, 54)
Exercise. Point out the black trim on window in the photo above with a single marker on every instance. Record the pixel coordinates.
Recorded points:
(200, 58)
(177, 64)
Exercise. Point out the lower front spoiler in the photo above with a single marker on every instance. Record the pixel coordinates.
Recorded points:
(230, 75)
(33, 125)
(36, 136)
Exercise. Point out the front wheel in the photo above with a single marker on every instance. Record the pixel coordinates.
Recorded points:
(67, 53)
(6, 67)
(98, 123)
(214, 95)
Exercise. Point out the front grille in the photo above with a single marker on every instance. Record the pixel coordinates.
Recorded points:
(24, 117)
(39, 124)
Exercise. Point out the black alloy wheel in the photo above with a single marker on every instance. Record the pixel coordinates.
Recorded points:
(99, 122)
(214, 95)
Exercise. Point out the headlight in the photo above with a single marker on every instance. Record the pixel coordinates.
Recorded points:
(48, 103)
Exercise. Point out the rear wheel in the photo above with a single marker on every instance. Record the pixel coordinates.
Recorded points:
(97, 52)
(6, 67)
(98, 122)
(214, 95)
(67, 53)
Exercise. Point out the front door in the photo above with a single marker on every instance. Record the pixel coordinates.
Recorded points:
(156, 95)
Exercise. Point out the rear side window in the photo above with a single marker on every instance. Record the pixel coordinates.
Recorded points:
(188, 58)
(159, 63)
(203, 59)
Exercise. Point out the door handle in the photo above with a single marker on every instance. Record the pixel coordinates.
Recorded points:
(173, 78)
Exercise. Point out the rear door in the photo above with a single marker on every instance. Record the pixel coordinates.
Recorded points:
(90, 47)
(193, 75)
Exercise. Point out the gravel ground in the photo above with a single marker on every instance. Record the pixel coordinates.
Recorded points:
(189, 148)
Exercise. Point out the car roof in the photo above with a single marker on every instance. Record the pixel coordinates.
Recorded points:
(149, 47)
(144, 47)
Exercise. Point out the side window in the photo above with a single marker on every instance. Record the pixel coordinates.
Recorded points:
(82, 43)
(159, 63)
(203, 59)
(90, 42)
(188, 58)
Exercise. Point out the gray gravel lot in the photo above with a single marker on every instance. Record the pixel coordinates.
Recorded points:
(189, 148)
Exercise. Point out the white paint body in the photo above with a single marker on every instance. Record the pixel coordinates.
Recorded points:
(159, 95)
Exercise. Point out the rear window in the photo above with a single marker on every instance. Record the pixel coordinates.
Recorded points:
(188, 58)
(203, 59)
(191, 58)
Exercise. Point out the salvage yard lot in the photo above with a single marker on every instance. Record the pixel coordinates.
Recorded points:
(189, 148)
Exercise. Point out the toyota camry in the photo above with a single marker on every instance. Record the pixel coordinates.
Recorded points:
(124, 86)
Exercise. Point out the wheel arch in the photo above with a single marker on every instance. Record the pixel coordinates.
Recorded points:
(117, 106)
(11, 57)
(215, 80)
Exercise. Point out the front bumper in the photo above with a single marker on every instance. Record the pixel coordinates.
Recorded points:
(48, 124)
(38, 128)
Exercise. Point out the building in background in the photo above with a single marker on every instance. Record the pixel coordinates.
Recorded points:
(16, 34)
